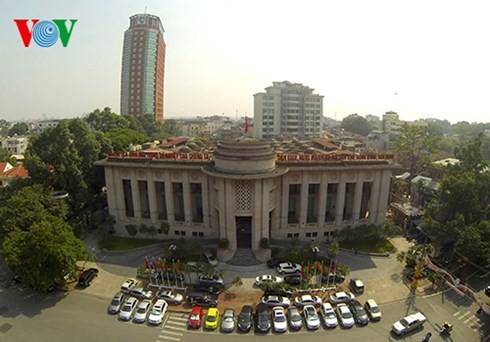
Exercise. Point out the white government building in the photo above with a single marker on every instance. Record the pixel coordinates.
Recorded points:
(247, 190)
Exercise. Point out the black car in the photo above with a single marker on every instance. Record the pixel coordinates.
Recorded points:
(203, 287)
(263, 319)
(202, 299)
(359, 313)
(279, 292)
(273, 262)
(87, 276)
(487, 291)
(245, 318)
(292, 279)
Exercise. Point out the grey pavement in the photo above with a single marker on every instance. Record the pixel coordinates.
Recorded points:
(382, 275)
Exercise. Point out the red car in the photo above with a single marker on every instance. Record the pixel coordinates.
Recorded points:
(195, 319)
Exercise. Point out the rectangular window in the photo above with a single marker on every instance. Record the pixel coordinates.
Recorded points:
(308, 234)
(290, 235)
(177, 232)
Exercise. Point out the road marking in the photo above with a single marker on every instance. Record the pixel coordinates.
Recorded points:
(456, 313)
(169, 338)
(174, 328)
(172, 333)
(183, 319)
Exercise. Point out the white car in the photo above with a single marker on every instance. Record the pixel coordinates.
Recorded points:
(142, 311)
(140, 293)
(341, 297)
(328, 315)
(157, 312)
(288, 267)
(209, 258)
(346, 318)
(128, 285)
(307, 300)
(127, 310)
(279, 320)
(372, 310)
(266, 278)
(273, 300)
(311, 317)
(170, 296)
(116, 303)
(409, 323)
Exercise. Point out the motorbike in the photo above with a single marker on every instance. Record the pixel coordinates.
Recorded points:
(427, 337)
(446, 328)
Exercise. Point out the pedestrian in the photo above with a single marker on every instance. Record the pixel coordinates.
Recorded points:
(427, 337)
(355, 251)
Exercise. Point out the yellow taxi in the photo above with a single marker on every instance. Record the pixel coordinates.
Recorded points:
(212, 319)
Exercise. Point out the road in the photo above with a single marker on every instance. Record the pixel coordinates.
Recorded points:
(78, 316)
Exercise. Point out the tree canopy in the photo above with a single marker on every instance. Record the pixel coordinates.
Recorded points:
(19, 128)
(356, 124)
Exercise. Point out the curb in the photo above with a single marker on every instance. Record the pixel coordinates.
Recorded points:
(384, 255)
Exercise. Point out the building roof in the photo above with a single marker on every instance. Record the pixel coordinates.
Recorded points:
(7, 170)
(425, 182)
(447, 161)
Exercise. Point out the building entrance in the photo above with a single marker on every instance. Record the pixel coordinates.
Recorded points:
(243, 231)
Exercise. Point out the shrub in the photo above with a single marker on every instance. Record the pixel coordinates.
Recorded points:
(264, 243)
(165, 227)
(223, 243)
(132, 229)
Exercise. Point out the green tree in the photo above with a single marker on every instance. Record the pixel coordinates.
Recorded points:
(356, 124)
(44, 253)
(106, 120)
(121, 138)
(171, 129)
(333, 249)
(414, 147)
(19, 128)
(4, 127)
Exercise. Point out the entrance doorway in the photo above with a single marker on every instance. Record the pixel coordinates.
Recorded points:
(243, 231)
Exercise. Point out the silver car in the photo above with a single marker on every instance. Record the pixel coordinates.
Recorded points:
(311, 317)
(228, 320)
(170, 296)
(140, 293)
(142, 311)
(116, 303)
(295, 320)
(127, 309)
(279, 319)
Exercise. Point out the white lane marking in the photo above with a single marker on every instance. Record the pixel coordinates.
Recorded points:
(172, 333)
(183, 319)
(456, 313)
(174, 328)
(169, 338)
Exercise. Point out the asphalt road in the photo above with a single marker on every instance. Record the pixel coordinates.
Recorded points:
(30, 316)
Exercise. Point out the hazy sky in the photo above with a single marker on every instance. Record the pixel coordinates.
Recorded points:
(434, 55)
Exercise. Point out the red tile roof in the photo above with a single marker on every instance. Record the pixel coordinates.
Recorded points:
(16, 171)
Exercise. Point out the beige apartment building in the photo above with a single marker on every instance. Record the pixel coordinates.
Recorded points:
(247, 190)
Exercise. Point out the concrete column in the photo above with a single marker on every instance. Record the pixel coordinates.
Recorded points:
(229, 224)
(169, 198)
(284, 196)
(356, 210)
(374, 201)
(135, 191)
(339, 205)
(384, 195)
(186, 192)
(322, 199)
(206, 209)
(303, 203)
(152, 197)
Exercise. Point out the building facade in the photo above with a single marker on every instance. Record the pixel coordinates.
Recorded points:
(245, 191)
(290, 109)
(15, 145)
(143, 67)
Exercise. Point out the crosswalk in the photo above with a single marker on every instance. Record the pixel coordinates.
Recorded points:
(469, 319)
(174, 327)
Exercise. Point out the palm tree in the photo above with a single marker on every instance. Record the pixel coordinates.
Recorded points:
(401, 257)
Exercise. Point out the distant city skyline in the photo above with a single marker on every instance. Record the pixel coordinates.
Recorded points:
(420, 59)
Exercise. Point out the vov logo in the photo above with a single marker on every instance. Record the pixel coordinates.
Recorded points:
(46, 32)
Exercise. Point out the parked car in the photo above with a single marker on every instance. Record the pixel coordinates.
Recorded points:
(142, 310)
(157, 312)
(195, 319)
(279, 292)
(409, 323)
(263, 318)
(293, 279)
(171, 297)
(213, 280)
(228, 320)
(372, 310)
(360, 315)
(356, 285)
(245, 319)
(328, 315)
(214, 290)
(267, 278)
(212, 319)
(87, 277)
(288, 267)
(140, 293)
(295, 320)
(311, 317)
(116, 303)
(209, 258)
(345, 316)
(272, 300)
(127, 310)
(273, 262)
(307, 300)
(341, 297)
(279, 320)
(128, 285)
(333, 278)
(202, 299)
